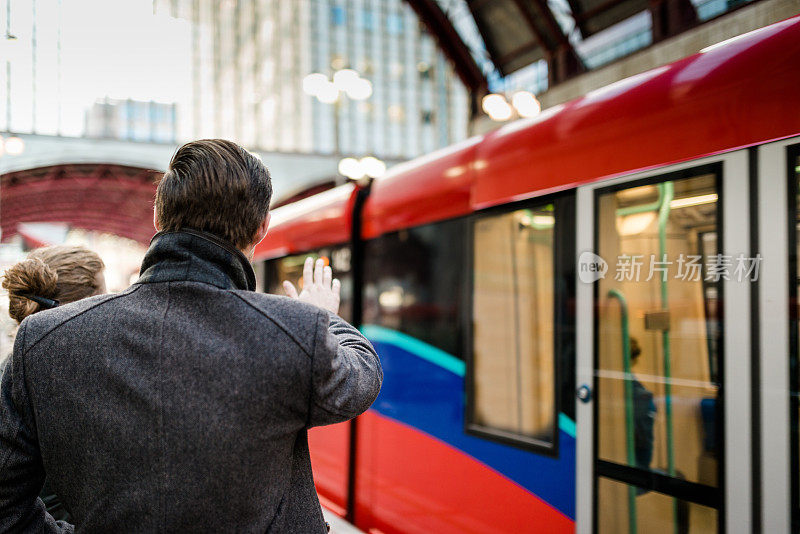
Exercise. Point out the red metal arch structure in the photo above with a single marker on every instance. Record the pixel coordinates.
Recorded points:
(111, 198)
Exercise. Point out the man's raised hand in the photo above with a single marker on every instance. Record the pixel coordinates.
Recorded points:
(319, 287)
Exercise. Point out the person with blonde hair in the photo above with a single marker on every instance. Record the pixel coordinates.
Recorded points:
(49, 277)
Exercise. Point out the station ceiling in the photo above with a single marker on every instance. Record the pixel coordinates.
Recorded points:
(517, 33)
(520, 32)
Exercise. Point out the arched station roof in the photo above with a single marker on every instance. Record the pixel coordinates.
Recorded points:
(108, 185)
(103, 197)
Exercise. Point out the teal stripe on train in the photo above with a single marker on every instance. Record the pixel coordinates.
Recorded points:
(428, 352)
(416, 347)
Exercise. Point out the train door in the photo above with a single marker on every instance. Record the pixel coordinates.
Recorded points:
(665, 273)
(778, 176)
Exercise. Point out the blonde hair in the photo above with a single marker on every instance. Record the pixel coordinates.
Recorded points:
(62, 273)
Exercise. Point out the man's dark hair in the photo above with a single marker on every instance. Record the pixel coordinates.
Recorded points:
(215, 186)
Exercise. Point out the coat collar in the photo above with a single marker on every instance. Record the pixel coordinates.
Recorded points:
(191, 255)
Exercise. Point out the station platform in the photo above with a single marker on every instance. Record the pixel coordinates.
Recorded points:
(339, 525)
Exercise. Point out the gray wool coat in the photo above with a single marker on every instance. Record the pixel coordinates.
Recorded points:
(178, 405)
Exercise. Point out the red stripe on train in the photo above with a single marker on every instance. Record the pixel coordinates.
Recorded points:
(411, 482)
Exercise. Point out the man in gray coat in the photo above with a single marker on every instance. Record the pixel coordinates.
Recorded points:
(182, 403)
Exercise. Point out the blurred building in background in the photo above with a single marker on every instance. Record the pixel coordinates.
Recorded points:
(79, 68)
(132, 120)
(250, 58)
(173, 70)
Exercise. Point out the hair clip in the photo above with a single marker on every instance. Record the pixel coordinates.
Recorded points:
(42, 301)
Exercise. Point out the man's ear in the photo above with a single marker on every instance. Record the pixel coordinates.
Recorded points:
(156, 223)
(262, 229)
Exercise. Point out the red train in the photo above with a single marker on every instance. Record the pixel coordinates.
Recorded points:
(584, 318)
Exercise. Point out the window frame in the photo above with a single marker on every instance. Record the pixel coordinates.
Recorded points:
(563, 267)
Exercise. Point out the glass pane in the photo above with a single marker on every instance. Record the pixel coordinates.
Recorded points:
(657, 383)
(625, 509)
(413, 283)
(513, 325)
(291, 268)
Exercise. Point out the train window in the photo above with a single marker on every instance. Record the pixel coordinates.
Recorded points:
(413, 283)
(513, 364)
(291, 268)
(657, 340)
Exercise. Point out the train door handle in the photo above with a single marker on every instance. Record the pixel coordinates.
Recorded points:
(584, 393)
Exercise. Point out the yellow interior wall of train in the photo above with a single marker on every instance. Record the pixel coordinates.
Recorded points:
(513, 337)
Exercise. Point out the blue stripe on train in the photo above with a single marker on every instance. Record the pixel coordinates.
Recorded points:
(423, 387)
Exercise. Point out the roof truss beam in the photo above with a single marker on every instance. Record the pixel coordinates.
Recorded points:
(450, 42)
(563, 61)
(671, 17)
(576, 10)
